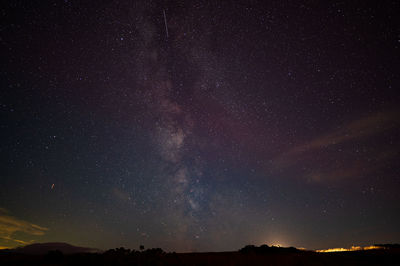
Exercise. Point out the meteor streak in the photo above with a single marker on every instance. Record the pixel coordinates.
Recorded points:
(165, 22)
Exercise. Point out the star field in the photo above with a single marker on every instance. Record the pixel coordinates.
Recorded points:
(199, 126)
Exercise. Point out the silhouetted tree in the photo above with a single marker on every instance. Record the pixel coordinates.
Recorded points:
(248, 249)
(265, 249)
(154, 251)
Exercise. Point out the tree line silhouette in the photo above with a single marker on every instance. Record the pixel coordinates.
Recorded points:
(248, 255)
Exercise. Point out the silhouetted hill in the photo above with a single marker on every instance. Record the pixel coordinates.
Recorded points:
(44, 248)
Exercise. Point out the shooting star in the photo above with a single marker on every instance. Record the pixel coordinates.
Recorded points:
(165, 22)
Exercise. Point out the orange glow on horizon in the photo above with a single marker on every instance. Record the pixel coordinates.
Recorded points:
(353, 248)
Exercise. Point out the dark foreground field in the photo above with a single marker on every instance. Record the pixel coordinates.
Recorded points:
(157, 257)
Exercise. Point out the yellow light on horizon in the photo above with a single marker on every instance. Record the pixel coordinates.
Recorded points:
(353, 248)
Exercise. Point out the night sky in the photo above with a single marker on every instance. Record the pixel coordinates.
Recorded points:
(199, 125)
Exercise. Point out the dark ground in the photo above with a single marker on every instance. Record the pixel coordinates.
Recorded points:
(158, 257)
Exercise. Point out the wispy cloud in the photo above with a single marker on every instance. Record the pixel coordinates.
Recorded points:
(9, 225)
(354, 132)
(353, 168)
